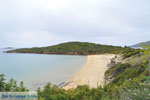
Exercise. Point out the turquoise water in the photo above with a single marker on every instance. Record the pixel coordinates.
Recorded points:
(37, 69)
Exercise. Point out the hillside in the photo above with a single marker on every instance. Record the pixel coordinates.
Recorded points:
(127, 80)
(75, 48)
(140, 44)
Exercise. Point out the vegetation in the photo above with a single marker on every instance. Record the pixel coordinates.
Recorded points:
(78, 48)
(136, 92)
(11, 86)
(131, 53)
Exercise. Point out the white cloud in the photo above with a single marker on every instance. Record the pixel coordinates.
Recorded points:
(40, 22)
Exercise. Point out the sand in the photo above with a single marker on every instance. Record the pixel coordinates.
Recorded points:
(92, 73)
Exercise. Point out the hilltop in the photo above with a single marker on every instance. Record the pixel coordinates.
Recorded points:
(75, 48)
(140, 44)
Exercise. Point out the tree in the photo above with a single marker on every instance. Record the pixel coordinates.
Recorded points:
(46, 93)
(2, 82)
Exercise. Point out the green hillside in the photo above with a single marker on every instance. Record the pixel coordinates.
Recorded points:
(75, 48)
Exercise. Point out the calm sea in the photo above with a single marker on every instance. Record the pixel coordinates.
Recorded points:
(37, 69)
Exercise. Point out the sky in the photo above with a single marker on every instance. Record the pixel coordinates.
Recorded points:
(36, 23)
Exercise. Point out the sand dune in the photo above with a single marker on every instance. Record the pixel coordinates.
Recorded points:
(92, 73)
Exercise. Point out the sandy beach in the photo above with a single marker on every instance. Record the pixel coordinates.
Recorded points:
(91, 73)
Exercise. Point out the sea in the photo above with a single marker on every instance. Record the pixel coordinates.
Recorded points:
(36, 70)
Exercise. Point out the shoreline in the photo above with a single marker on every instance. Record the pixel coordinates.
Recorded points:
(92, 73)
(44, 54)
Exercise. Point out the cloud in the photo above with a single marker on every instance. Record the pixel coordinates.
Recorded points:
(47, 22)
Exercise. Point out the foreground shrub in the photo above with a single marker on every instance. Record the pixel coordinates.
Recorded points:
(137, 92)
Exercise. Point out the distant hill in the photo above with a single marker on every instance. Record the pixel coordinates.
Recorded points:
(140, 44)
(8, 48)
(75, 48)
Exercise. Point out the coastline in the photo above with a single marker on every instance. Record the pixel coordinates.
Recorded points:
(91, 73)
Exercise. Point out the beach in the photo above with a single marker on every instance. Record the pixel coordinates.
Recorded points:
(91, 73)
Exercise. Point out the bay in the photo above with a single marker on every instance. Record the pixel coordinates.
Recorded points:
(35, 70)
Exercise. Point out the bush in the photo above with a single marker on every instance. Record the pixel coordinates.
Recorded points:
(138, 92)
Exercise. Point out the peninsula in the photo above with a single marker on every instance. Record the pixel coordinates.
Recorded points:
(77, 48)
